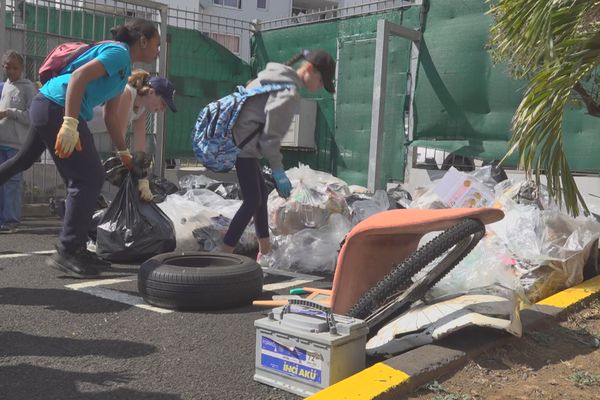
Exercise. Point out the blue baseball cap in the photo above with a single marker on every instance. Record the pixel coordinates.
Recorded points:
(164, 88)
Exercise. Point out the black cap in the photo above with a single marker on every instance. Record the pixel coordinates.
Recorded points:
(325, 64)
(164, 88)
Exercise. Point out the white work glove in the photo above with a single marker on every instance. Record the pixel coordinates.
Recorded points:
(144, 188)
(126, 158)
(67, 139)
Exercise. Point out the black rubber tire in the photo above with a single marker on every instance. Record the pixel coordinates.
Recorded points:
(200, 280)
(399, 279)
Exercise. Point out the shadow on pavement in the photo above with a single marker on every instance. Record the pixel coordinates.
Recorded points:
(30, 382)
(60, 299)
(13, 344)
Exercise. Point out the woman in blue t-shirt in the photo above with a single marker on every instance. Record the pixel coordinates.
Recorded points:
(58, 117)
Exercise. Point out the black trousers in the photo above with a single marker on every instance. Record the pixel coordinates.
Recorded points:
(254, 192)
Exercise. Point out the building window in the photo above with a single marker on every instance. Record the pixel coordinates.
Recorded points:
(228, 3)
(261, 4)
(231, 42)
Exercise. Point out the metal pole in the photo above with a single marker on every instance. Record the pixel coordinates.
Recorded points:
(378, 107)
(159, 151)
(3, 34)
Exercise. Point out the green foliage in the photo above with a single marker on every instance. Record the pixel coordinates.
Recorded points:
(584, 378)
(555, 44)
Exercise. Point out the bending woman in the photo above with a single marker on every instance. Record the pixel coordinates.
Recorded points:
(58, 117)
(142, 95)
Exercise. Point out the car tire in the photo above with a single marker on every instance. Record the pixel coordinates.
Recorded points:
(199, 280)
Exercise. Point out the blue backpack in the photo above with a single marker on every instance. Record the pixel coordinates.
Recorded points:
(212, 137)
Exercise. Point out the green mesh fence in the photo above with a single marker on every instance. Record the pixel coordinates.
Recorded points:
(343, 137)
(201, 71)
(464, 103)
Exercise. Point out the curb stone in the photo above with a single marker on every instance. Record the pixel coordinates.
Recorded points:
(398, 376)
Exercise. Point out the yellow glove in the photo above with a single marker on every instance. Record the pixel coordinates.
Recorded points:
(68, 138)
(144, 188)
(126, 158)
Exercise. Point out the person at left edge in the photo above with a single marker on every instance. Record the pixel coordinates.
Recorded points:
(58, 117)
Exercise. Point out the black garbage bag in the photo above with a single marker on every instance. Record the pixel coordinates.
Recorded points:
(227, 190)
(161, 188)
(116, 171)
(131, 230)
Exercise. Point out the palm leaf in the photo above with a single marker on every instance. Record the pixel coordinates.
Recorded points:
(555, 43)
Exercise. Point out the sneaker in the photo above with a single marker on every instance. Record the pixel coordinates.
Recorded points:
(77, 264)
(9, 228)
(96, 261)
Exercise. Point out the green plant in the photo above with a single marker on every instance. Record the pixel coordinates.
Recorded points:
(556, 46)
(584, 378)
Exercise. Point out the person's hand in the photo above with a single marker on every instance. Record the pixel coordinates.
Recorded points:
(126, 158)
(282, 183)
(67, 139)
(144, 188)
(3, 114)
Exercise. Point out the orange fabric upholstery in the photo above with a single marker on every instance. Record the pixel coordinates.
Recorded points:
(378, 243)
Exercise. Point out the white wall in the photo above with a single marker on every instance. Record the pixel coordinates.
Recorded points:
(275, 9)
(190, 5)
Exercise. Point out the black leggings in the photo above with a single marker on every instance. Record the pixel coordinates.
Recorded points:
(29, 153)
(254, 192)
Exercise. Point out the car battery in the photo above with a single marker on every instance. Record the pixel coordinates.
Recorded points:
(303, 347)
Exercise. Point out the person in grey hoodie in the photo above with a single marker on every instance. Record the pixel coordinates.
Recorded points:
(271, 114)
(14, 126)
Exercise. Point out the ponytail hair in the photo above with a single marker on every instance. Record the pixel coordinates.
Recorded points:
(139, 81)
(133, 30)
(300, 56)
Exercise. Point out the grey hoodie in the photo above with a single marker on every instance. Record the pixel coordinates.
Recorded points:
(16, 99)
(274, 110)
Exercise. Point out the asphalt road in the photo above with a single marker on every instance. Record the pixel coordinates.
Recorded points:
(65, 342)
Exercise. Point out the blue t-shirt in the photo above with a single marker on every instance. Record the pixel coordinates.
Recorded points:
(117, 62)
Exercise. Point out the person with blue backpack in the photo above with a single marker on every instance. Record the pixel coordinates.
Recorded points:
(59, 115)
(263, 121)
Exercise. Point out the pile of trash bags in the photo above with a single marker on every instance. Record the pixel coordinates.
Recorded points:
(535, 251)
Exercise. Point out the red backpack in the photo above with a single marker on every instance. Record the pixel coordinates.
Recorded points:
(62, 55)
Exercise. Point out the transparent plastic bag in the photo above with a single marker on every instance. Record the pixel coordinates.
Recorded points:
(309, 250)
(362, 209)
(315, 196)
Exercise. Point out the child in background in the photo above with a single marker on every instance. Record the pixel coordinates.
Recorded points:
(17, 94)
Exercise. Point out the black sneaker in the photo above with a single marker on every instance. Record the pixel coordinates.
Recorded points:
(76, 264)
(96, 261)
(9, 228)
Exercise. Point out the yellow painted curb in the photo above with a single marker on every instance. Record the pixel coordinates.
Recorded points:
(366, 384)
(380, 378)
(572, 295)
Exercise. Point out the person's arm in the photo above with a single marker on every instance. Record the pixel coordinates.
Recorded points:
(22, 115)
(279, 112)
(116, 118)
(139, 132)
(77, 84)
(67, 138)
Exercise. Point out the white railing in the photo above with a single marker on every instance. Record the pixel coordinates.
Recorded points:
(332, 13)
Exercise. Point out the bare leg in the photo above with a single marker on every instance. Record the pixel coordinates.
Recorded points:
(264, 245)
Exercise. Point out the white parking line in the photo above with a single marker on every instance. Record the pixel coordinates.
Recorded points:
(282, 285)
(31, 253)
(91, 287)
(121, 297)
(100, 282)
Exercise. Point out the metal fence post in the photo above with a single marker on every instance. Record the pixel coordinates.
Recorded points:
(159, 151)
(378, 107)
(3, 34)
